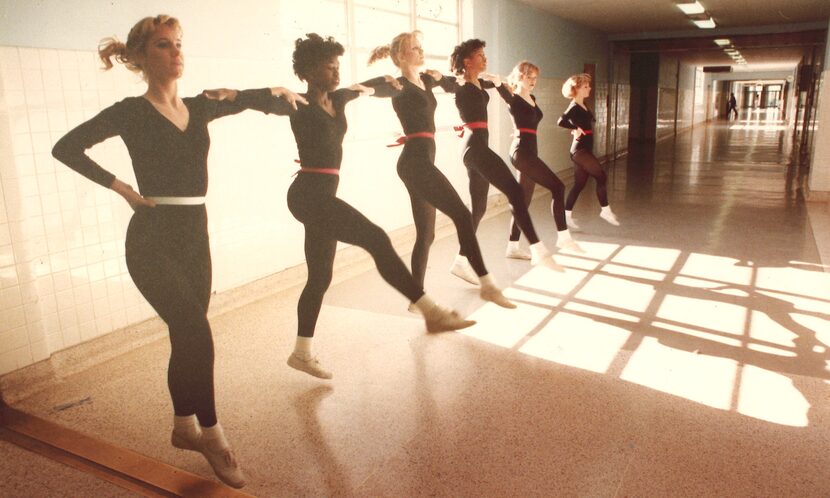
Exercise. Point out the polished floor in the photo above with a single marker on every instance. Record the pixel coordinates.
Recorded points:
(684, 353)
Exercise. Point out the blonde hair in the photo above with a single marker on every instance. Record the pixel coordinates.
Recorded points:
(400, 43)
(523, 68)
(573, 84)
(128, 53)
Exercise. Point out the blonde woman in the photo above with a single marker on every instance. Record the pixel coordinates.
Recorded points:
(578, 117)
(167, 250)
(428, 188)
(524, 155)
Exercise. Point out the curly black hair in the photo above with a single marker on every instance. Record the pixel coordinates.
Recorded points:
(312, 51)
(461, 52)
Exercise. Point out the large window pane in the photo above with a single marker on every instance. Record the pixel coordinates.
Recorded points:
(376, 27)
(396, 5)
(324, 17)
(441, 10)
(439, 38)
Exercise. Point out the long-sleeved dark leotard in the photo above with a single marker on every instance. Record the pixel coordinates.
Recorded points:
(582, 155)
(524, 155)
(576, 116)
(312, 200)
(485, 167)
(167, 250)
(428, 188)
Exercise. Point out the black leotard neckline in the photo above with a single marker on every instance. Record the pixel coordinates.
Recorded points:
(162, 116)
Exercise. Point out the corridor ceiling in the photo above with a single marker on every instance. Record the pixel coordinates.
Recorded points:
(658, 25)
(647, 16)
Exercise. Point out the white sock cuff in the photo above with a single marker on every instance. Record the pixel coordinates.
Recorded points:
(424, 304)
(487, 280)
(539, 246)
(214, 432)
(186, 423)
(303, 344)
(606, 209)
(564, 234)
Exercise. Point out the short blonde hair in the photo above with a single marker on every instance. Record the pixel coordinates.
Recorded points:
(128, 53)
(573, 84)
(400, 43)
(522, 68)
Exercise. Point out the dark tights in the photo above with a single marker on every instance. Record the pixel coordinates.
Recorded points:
(586, 165)
(533, 170)
(485, 167)
(327, 219)
(429, 189)
(168, 257)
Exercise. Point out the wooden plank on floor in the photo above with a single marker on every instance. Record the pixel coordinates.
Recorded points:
(120, 466)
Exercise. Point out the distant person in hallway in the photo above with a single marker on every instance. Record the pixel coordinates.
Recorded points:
(484, 166)
(524, 154)
(428, 188)
(579, 119)
(319, 129)
(167, 250)
(732, 106)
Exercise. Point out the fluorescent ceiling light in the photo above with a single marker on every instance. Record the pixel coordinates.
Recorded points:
(705, 24)
(730, 51)
(722, 42)
(691, 7)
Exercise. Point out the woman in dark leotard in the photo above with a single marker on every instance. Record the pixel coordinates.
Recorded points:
(167, 249)
(578, 118)
(428, 188)
(319, 129)
(524, 154)
(485, 167)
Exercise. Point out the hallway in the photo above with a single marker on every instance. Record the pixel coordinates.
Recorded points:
(685, 353)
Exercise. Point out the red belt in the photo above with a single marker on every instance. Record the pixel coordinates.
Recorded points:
(472, 126)
(525, 130)
(403, 138)
(587, 132)
(322, 171)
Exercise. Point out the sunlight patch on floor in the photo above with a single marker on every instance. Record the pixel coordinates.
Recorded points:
(705, 379)
(578, 342)
(717, 321)
(654, 258)
(617, 293)
(770, 396)
(717, 268)
(704, 313)
(765, 329)
(505, 327)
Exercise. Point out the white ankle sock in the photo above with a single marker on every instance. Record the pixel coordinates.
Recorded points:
(487, 280)
(303, 345)
(186, 426)
(564, 235)
(539, 249)
(606, 209)
(215, 436)
(425, 303)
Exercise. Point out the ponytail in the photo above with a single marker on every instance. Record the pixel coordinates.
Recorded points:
(379, 53)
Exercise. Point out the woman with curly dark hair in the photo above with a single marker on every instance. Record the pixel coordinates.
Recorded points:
(167, 249)
(428, 188)
(319, 129)
(484, 166)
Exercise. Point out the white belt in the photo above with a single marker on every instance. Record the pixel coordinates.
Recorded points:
(178, 201)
